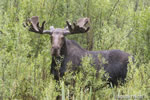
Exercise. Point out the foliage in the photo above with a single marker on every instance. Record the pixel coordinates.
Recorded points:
(25, 57)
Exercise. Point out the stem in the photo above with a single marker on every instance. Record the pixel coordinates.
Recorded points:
(113, 10)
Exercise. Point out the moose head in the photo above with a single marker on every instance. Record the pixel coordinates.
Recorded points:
(58, 34)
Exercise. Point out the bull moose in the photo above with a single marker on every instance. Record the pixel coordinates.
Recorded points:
(117, 60)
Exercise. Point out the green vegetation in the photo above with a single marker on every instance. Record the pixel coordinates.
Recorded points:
(25, 57)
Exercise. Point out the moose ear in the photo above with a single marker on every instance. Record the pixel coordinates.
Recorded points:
(52, 28)
(50, 32)
(81, 26)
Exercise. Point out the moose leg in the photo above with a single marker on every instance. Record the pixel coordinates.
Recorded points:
(54, 71)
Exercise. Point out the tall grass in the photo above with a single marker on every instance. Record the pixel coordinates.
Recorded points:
(25, 57)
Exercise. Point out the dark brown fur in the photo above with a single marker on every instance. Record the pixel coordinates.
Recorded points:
(117, 60)
(116, 65)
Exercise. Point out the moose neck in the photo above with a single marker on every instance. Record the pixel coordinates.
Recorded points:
(70, 47)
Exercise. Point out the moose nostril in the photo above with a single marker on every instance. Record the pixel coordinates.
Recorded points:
(55, 47)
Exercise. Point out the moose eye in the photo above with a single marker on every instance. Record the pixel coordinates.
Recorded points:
(51, 38)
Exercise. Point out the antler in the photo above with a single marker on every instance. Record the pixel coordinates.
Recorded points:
(79, 27)
(35, 27)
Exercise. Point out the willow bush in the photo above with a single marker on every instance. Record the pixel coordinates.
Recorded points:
(25, 57)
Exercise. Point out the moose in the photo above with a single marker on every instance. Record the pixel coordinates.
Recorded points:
(117, 60)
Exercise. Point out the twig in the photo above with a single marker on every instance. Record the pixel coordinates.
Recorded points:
(113, 9)
(136, 5)
(53, 8)
(127, 36)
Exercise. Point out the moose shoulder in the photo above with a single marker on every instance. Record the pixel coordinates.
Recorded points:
(117, 60)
